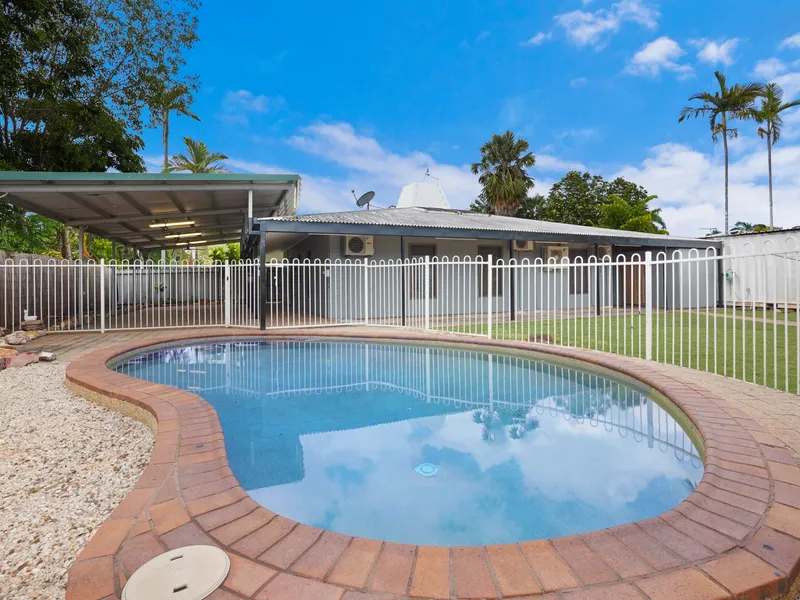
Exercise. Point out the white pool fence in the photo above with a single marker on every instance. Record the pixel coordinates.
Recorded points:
(726, 313)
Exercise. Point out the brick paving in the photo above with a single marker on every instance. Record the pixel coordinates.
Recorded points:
(736, 536)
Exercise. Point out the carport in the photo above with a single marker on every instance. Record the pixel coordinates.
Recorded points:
(156, 211)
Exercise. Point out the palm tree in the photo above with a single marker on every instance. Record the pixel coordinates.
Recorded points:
(769, 116)
(727, 104)
(167, 100)
(502, 170)
(745, 227)
(200, 159)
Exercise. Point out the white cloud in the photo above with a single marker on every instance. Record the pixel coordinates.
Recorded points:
(791, 42)
(483, 35)
(658, 55)
(716, 52)
(367, 165)
(579, 82)
(790, 82)
(690, 186)
(585, 28)
(555, 165)
(236, 104)
(539, 39)
(378, 168)
(769, 69)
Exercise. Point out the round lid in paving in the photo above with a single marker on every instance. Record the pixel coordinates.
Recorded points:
(189, 573)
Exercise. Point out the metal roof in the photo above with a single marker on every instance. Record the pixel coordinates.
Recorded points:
(428, 222)
(123, 206)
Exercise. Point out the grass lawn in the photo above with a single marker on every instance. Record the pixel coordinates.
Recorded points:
(678, 338)
(771, 314)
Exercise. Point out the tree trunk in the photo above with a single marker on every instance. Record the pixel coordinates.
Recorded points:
(505, 207)
(66, 250)
(769, 162)
(165, 139)
(725, 144)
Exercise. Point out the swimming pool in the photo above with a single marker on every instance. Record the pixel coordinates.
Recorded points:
(433, 445)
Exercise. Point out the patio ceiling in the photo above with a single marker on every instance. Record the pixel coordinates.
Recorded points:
(132, 208)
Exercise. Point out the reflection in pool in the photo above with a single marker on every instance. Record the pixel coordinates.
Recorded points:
(429, 445)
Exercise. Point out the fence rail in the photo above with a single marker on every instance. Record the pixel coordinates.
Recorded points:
(731, 314)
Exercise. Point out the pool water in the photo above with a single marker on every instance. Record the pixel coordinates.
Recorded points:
(432, 445)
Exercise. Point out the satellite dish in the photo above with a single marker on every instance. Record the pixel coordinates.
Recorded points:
(365, 199)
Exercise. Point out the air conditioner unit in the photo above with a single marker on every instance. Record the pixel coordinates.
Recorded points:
(524, 246)
(556, 253)
(603, 251)
(359, 245)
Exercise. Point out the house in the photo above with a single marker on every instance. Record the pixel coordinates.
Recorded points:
(423, 226)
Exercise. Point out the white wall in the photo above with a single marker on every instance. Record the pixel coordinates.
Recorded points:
(752, 257)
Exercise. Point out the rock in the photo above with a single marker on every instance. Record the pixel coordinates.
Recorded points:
(7, 351)
(47, 356)
(32, 335)
(17, 338)
(541, 339)
(24, 359)
(34, 325)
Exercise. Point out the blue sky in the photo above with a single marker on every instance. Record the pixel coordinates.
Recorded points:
(368, 95)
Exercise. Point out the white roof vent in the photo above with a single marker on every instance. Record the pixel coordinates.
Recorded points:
(423, 195)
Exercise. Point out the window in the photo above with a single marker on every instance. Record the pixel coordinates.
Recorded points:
(418, 252)
(483, 278)
(578, 276)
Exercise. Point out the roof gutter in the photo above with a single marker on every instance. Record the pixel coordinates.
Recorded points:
(286, 226)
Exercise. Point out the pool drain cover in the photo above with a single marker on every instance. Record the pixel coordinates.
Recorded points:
(427, 469)
(189, 573)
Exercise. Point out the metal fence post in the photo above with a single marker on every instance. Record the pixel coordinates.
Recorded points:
(366, 291)
(227, 293)
(648, 305)
(102, 295)
(489, 294)
(427, 292)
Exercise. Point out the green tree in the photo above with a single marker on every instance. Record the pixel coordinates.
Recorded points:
(167, 100)
(576, 199)
(768, 115)
(228, 252)
(722, 107)
(619, 214)
(746, 227)
(502, 172)
(75, 79)
(199, 160)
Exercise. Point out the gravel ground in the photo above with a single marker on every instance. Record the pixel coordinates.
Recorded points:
(65, 464)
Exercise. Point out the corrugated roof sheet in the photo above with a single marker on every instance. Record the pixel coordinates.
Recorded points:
(454, 219)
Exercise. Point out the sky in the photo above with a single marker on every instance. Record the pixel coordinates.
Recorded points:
(364, 96)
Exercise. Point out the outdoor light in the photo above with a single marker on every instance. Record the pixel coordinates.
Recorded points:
(182, 235)
(197, 242)
(174, 224)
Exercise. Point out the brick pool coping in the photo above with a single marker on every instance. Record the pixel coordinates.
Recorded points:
(736, 536)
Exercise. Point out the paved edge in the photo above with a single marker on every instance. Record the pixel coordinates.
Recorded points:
(736, 536)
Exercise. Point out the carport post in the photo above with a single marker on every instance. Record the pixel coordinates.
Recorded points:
(262, 279)
(81, 308)
(102, 295)
(249, 206)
